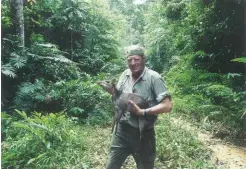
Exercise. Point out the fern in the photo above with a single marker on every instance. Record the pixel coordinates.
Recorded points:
(30, 93)
(17, 60)
(8, 70)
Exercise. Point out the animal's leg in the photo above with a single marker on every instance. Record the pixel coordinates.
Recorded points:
(119, 114)
(117, 119)
(114, 123)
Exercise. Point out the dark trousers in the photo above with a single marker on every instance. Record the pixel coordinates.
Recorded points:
(126, 141)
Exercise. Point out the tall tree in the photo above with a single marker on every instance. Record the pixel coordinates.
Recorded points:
(17, 8)
(245, 41)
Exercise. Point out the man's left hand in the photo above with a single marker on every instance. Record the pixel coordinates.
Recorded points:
(135, 109)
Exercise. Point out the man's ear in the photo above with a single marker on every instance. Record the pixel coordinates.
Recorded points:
(144, 59)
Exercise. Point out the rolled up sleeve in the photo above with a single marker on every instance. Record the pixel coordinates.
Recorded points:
(160, 90)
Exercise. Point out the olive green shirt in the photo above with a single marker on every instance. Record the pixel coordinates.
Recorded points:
(151, 87)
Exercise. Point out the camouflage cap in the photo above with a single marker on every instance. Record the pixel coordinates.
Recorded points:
(135, 50)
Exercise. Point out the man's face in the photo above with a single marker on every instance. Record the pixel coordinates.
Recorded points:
(136, 64)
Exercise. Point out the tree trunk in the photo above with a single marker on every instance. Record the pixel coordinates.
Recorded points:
(71, 47)
(17, 8)
(245, 43)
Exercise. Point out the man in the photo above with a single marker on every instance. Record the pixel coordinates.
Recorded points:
(128, 140)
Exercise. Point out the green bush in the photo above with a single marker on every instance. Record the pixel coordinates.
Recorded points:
(220, 94)
(83, 99)
(50, 141)
(199, 94)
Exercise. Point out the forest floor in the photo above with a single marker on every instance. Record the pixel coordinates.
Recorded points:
(225, 155)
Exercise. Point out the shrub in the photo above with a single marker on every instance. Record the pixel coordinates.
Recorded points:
(50, 141)
(219, 94)
(199, 94)
(83, 99)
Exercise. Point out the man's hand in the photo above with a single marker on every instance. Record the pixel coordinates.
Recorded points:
(135, 109)
(163, 107)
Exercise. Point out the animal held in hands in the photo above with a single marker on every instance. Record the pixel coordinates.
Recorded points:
(121, 100)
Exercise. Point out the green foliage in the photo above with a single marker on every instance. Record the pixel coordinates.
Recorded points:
(166, 34)
(178, 147)
(63, 38)
(112, 68)
(49, 85)
(199, 94)
(194, 41)
(13, 57)
(175, 9)
(88, 34)
(35, 71)
(28, 94)
(220, 94)
(42, 142)
(6, 121)
(5, 16)
(242, 60)
(193, 105)
(210, 24)
(187, 27)
(53, 65)
(41, 61)
(8, 70)
(186, 40)
(82, 99)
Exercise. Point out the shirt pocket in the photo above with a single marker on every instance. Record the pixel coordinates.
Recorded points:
(144, 90)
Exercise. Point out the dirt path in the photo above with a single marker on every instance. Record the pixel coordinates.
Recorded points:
(224, 155)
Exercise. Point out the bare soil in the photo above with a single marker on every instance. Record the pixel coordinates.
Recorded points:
(225, 155)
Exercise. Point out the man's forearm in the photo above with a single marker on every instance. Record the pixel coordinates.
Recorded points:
(164, 107)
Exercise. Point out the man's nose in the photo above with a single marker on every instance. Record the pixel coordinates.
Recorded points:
(133, 62)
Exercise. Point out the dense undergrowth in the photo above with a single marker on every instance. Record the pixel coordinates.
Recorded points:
(41, 141)
(213, 100)
(71, 44)
(57, 141)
